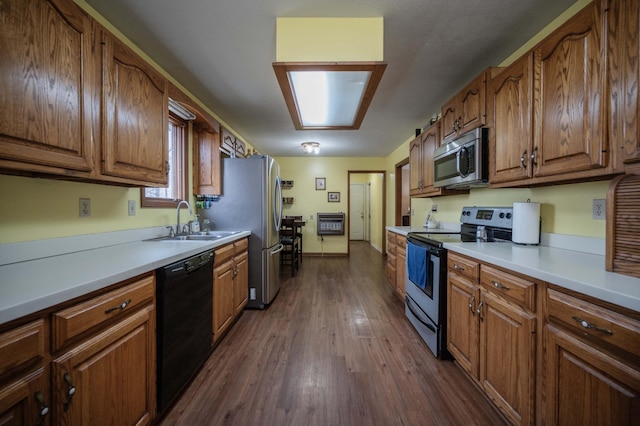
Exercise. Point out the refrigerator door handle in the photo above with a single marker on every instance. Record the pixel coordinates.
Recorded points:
(278, 249)
(277, 204)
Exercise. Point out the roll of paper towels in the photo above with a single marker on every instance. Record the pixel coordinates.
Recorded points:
(526, 223)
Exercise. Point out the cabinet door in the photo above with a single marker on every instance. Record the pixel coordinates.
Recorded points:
(25, 401)
(46, 80)
(415, 166)
(222, 298)
(569, 134)
(472, 104)
(135, 116)
(510, 111)
(401, 266)
(586, 386)
(507, 358)
(110, 378)
(450, 120)
(430, 141)
(462, 322)
(241, 281)
(207, 176)
(624, 77)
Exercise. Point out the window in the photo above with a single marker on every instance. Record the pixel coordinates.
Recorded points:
(178, 180)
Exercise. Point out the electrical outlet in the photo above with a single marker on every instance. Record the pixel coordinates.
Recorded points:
(132, 207)
(85, 207)
(599, 209)
(434, 208)
(310, 217)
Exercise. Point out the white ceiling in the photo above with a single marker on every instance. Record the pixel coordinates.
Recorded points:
(222, 51)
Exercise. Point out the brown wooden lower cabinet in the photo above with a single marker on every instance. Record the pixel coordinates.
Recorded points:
(104, 373)
(491, 336)
(230, 285)
(586, 386)
(584, 370)
(396, 262)
(105, 380)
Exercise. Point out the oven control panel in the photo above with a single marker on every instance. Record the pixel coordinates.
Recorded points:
(500, 217)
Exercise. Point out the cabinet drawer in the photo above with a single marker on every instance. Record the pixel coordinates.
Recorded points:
(391, 275)
(587, 319)
(241, 245)
(72, 322)
(392, 238)
(463, 266)
(21, 346)
(391, 260)
(223, 254)
(401, 242)
(509, 286)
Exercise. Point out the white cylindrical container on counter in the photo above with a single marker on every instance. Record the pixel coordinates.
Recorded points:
(526, 223)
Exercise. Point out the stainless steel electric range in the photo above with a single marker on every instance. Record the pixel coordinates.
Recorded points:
(426, 290)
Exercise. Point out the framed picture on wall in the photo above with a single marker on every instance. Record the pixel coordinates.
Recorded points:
(333, 197)
(321, 184)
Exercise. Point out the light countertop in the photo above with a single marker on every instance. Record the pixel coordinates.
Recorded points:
(30, 286)
(573, 270)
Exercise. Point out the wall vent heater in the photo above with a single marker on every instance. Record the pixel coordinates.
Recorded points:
(330, 223)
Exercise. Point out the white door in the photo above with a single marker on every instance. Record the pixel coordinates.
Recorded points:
(357, 212)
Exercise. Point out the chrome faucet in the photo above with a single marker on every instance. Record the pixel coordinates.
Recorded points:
(178, 213)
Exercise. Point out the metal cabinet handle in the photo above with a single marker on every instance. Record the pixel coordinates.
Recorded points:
(119, 307)
(496, 284)
(43, 408)
(471, 302)
(534, 157)
(587, 324)
(479, 310)
(523, 160)
(458, 267)
(71, 390)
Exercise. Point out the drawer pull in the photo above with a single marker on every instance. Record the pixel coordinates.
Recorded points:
(471, 302)
(119, 307)
(71, 390)
(457, 267)
(587, 324)
(496, 284)
(43, 408)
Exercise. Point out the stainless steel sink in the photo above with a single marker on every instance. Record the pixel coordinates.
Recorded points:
(201, 236)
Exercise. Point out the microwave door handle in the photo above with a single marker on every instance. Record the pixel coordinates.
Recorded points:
(459, 161)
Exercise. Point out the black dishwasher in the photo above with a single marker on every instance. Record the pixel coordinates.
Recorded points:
(184, 293)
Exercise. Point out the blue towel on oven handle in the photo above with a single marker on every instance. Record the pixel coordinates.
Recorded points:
(417, 265)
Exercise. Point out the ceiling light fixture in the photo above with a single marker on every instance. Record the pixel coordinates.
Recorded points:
(311, 147)
(328, 95)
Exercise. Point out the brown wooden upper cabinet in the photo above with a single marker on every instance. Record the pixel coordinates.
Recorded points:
(207, 175)
(547, 110)
(510, 106)
(467, 109)
(77, 103)
(421, 151)
(135, 116)
(46, 85)
(623, 67)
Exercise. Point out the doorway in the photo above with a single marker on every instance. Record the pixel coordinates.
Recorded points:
(403, 200)
(369, 201)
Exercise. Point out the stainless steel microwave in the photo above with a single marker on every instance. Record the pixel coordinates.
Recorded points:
(463, 162)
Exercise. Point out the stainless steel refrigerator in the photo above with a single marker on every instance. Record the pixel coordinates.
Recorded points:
(252, 200)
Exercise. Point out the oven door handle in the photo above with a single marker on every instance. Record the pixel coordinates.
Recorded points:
(429, 326)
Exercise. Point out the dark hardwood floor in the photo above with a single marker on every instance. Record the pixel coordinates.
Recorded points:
(333, 349)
